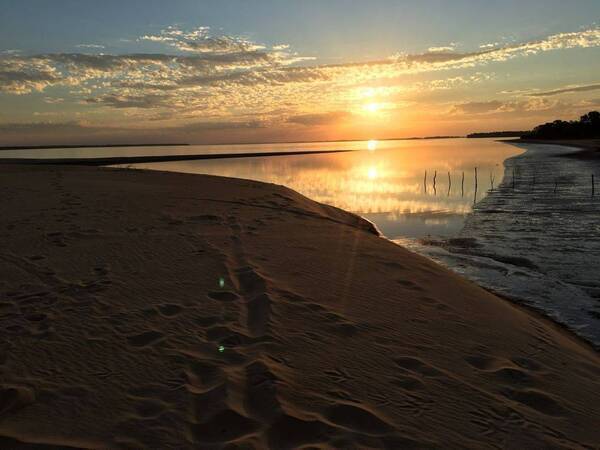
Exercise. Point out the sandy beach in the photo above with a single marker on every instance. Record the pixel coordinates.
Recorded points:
(590, 148)
(145, 309)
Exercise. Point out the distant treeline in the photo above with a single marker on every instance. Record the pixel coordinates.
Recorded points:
(47, 147)
(587, 127)
(492, 134)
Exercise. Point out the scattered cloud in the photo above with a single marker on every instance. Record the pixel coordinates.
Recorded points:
(567, 90)
(232, 81)
(319, 119)
(443, 49)
(92, 46)
(476, 107)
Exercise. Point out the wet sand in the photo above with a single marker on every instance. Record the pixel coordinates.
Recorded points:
(590, 148)
(163, 310)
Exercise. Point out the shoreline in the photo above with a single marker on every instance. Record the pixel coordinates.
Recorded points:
(83, 146)
(589, 148)
(413, 138)
(121, 160)
(167, 310)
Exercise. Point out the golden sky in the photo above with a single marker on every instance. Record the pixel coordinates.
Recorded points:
(201, 84)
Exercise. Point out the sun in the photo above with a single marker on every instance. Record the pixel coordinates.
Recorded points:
(372, 145)
(372, 107)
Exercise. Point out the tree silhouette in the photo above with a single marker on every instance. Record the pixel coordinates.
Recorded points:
(587, 127)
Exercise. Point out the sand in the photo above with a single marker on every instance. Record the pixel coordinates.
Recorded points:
(590, 148)
(161, 310)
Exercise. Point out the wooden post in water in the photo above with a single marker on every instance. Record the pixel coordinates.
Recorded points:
(492, 178)
(434, 178)
(555, 185)
(475, 197)
(449, 184)
(425, 182)
(593, 187)
(462, 185)
(513, 179)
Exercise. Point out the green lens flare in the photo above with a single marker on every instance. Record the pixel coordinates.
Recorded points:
(221, 349)
(221, 282)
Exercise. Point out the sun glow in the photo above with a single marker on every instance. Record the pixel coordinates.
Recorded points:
(372, 145)
(372, 173)
(372, 107)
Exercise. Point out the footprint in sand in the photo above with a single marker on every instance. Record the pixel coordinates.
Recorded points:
(224, 427)
(223, 296)
(261, 392)
(289, 432)
(169, 309)
(145, 339)
(415, 365)
(537, 400)
(13, 398)
(357, 419)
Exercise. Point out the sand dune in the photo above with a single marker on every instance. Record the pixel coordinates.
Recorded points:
(159, 310)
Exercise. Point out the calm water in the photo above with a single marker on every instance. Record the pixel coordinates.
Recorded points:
(383, 182)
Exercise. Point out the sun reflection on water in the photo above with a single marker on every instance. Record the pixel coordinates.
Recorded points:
(389, 181)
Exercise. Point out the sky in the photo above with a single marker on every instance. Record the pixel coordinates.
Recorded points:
(223, 71)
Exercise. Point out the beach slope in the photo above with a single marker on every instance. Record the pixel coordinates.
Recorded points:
(161, 310)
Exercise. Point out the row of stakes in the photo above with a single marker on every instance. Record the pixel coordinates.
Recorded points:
(492, 179)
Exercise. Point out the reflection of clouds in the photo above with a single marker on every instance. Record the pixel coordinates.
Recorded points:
(387, 181)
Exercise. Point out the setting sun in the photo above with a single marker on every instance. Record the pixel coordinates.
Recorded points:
(372, 107)
(372, 145)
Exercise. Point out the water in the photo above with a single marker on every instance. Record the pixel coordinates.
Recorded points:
(384, 184)
(537, 241)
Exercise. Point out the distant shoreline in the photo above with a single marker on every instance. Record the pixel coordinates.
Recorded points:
(110, 161)
(49, 147)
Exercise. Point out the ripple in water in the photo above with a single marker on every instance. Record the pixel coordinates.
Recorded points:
(535, 239)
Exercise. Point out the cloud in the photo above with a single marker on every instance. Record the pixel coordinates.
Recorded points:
(215, 61)
(38, 126)
(443, 49)
(476, 107)
(200, 40)
(319, 119)
(433, 60)
(567, 90)
(221, 125)
(22, 76)
(93, 46)
(129, 101)
(231, 79)
(529, 105)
